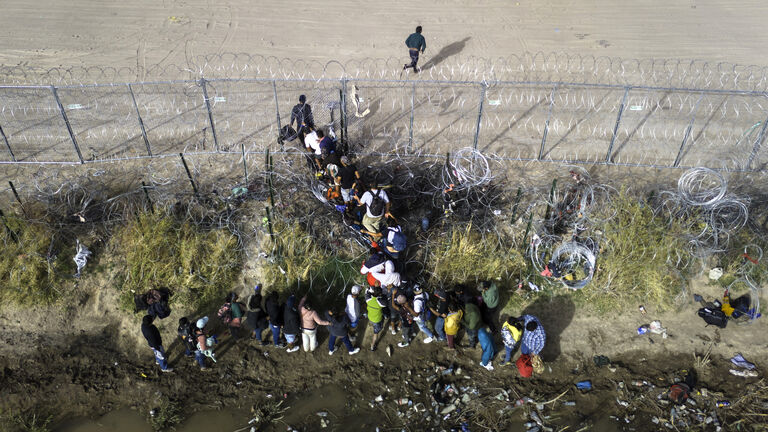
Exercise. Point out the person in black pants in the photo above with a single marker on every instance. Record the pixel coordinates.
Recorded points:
(302, 115)
(415, 43)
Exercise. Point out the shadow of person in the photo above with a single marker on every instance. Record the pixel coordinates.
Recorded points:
(555, 315)
(445, 52)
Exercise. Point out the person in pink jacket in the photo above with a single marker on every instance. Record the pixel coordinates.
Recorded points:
(309, 322)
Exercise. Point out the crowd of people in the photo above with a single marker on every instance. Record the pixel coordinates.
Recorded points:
(389, 299)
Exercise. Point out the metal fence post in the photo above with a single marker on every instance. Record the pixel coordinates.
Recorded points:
(16, 194)
(756, 147)
(345, 135)
(189, 174)
(245, 163)
(7, 144)
(483, 88)
(203, 82)
(277, 113)
(341, 115)
(66, 122)
(413, 107)
(687, 132)
(141, 122)
(608, 156)
(546, 124)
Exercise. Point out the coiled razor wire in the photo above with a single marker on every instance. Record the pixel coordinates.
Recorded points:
(701, 187)
(468, 168)
(572, 263)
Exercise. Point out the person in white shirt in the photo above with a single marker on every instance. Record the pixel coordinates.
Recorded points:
(312, 141)
(353, 310)
(421, 309)
(377, 206)
(384, 273)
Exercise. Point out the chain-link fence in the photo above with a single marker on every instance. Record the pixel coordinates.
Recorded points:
(546, 121)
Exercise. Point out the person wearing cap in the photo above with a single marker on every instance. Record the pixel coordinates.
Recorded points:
(375, 304)
(339, 329)
(155, 342)
(490, 293)
(440, 309)
(511, 332)
(346, 179)
(393, 239)
(382, 271)
(309, 322)
(256, 317)
(452, 323)
(352, 309)
(486, 343)
(407, 314)
(291, 323)
(203, 348)
(301, 113)
(421, 312)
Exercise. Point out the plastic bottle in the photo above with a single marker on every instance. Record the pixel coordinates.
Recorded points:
(722, 403)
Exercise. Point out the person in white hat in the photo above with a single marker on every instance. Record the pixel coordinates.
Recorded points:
(353, 311)
(203, 347)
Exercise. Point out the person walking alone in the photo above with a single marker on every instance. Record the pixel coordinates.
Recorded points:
(415, 43)
(301, 113)
(152, 335)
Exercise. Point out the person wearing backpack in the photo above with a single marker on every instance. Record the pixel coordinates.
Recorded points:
(152, 335)
(291, 323)
(393, 240)
(256, 318)
(231, 314)
(377, 206)
(421, 312)
(339, 329)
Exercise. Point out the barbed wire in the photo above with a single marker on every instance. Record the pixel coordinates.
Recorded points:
(537, 66)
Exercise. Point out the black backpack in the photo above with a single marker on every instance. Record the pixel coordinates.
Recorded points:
(159, 309)
(714, 317)
(377, 205)
(375, 260)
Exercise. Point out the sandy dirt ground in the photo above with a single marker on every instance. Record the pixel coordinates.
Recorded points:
(143, 32)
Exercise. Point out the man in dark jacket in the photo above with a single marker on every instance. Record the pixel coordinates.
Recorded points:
(291, 323)
(256, 318)
(302, 115)
(152, 335)
(472, 322)
(274, 313)
(415, 43)
(339, 328)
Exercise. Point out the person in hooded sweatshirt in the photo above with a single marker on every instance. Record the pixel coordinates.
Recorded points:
(291, 323)
(339, 328)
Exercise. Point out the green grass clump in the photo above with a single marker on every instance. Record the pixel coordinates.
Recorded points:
(28, 422)
(166, 415)
(298, 261)
(638, 259)
(27, 275)
(159, 251)
(466, 256)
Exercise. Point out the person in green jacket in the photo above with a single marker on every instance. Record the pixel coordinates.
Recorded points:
(375, 304)
(472, 323)
(490, 293)
(415, 43)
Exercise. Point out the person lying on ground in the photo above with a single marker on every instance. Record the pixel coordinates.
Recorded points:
(256, 317)
(486, 343)
(472, 323)
(534, 337)
(439, 308)
(421, 312)
(453, 323)
(511, 332)
(377, 206)
(352, 309)
(375, 305)
(405, 310)
(155, 342)
(309, 322)
(339, 328)
(275, 316)
(291, 323)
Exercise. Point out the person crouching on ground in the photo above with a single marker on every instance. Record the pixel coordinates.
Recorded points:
(452, 324)
(309, 322)
(376, 305)
(511, 331)
(339, 328)
(152, 335)
(486, 343)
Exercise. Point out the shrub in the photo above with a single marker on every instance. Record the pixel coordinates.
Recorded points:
(159, 251)
(466, 256)
(28, 275)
